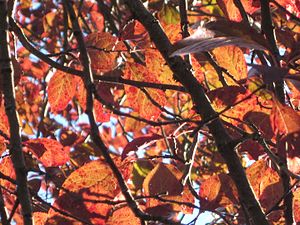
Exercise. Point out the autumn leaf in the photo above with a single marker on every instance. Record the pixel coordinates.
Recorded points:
(289, 148)
(217, 34)
(61, 90)
(154, 184)
(136, 98)
(101, 48)
(7, 168)
(83, 188)
(157, 65)
(217, 191)
(266, 183)
(232, 59)
(140, 143)
(224, 97)
(123, 216)
(284, 120)
(50, 152)
(98, 20)
(232, 12)
(296, 204)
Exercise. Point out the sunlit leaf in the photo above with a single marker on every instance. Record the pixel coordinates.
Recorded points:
(232, 59)
(61, 90)
(296, 205)
(232, 12)
(217, 191)
(83, 188)
(169, 14)
(284, 120)
(6, 168)
(101, 48)
(50, 152)
(289, 148)
(266, 183)
(123, 216)
(136, 98)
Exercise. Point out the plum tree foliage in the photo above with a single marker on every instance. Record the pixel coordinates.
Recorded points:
(132, 112)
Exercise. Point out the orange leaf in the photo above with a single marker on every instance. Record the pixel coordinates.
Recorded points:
(90, 183)
(123, 216)
(154, 184)
(97, 19)
(232, 59)
(101, 48)
(232, 12)
(289, 147)
(284, 120)
(61, 90)
(136, 98)
(296, 205)
(266, 183)
(50, 152)
(271, 189)
(217, 191)
(7, 168)
(39, 218)
(157, 65)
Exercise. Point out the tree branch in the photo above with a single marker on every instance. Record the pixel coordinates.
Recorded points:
(89, 85)
(204, 108)
(7, 76)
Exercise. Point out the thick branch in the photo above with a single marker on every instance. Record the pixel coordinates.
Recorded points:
(88, 82)
(7, 78)
(204, 108)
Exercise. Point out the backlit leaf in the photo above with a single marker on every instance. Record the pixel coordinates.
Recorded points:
(83, 188)
(217, 191)
(154, 184)
(61, 90)
(296, 205)
(284, 120)
(232, 59)
(101, 48)
(136, 98)
(123, 216)
(50, 152)
(289, 147)
(7, 168)
(265, 182)
(232, 12)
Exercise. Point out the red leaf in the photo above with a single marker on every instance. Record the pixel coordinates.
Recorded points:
(296, 205)
(123, 216)
(50, 152)
(289, 147)
(232, 58)
(265, 182)
(232, 12)
(139, 143)
(97, 19)
(101, 48)
(61, 90)
(284, 120)
(154, 184)
(217, 191)
(90, 183)
(7, 168)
